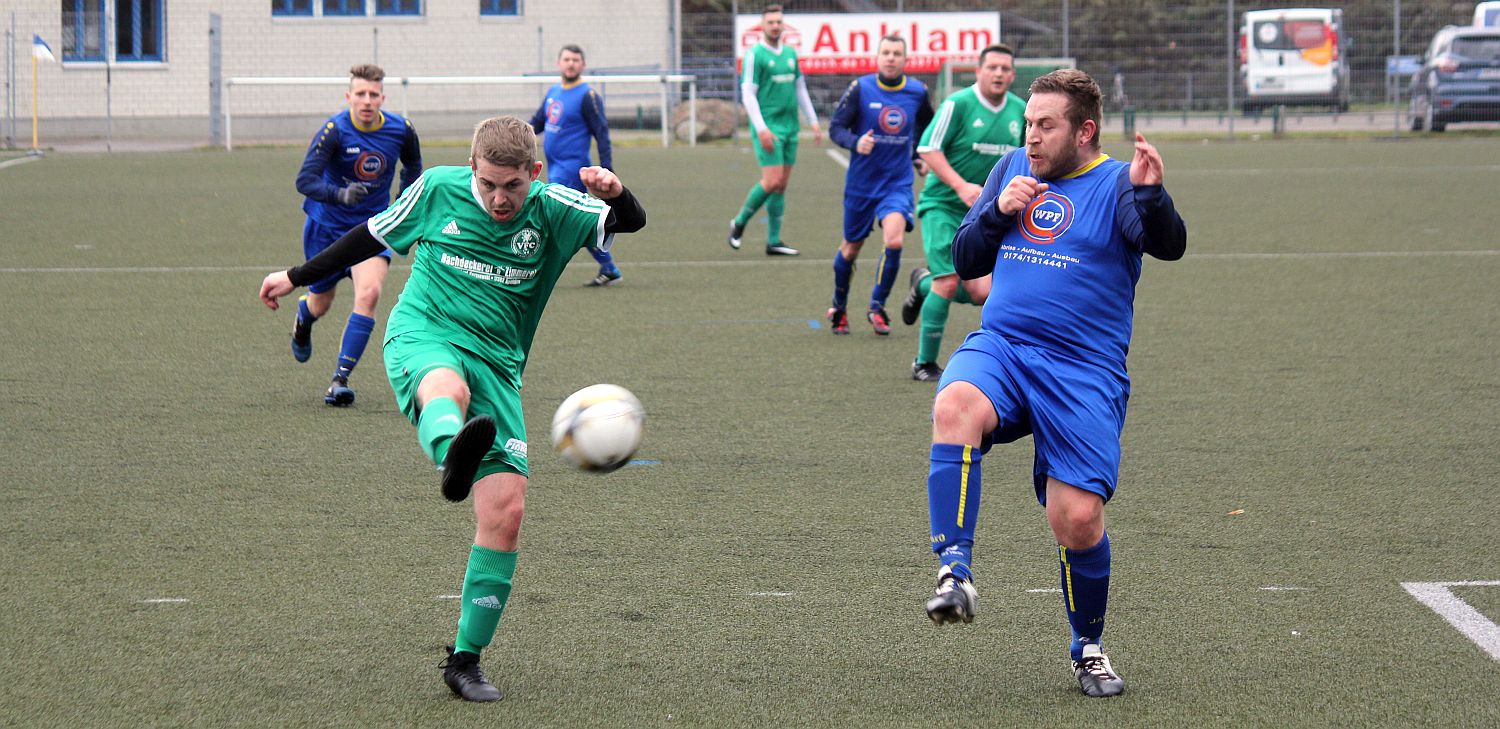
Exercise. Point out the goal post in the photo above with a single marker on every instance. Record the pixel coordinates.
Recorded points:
(958, 74)
(666, 84)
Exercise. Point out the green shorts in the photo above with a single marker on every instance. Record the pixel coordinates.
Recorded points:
(410, 356)
(783, 150)
(939, 225)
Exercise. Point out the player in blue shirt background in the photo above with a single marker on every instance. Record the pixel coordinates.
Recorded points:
(572, 119)
(879, 119)
(346, 178)
(1062, 227)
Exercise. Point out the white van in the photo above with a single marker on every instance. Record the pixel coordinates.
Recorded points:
(1487, 14)
(1294, 56)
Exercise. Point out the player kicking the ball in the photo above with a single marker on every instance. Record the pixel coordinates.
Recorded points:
(1062, 227)
(488, 242)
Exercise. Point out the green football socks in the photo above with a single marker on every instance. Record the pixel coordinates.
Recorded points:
(753, 201)
(775, 208)
(486, 590)
(934, 320)
(441, 418)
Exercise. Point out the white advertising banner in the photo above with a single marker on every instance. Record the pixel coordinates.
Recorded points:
(845, 43)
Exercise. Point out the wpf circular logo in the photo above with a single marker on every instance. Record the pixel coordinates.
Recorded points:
(1046, 217)
(892, 119)
(525, 242)
(368, 165)
(554, 111)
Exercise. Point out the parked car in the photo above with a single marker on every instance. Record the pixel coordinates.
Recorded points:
(1294, 56)
(1459, 80)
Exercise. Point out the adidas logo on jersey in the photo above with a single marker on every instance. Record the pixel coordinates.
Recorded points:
(451, 228)
(978, 122)
(488, 601)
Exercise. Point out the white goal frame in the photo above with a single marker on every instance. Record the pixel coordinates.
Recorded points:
(405, 82)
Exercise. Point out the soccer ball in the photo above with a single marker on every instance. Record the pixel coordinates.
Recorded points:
(598, 428)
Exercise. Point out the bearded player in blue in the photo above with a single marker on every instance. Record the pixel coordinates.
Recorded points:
(572, 118)
(346, 178)
(879, 119)
(1063, 228)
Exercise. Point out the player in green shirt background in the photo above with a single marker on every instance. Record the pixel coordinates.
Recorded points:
(488, 242)
(973, 128)
(772, 91)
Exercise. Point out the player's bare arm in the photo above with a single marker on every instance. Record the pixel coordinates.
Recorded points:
(938, 163)
(1018, 193)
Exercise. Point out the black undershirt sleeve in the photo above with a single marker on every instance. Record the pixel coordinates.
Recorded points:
(625, 213)
(351, 248)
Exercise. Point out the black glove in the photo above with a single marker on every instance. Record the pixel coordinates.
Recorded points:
(353, 193)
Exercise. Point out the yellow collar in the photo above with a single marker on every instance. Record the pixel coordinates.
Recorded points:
(1084, 169)
(379, 122)
(881, 83)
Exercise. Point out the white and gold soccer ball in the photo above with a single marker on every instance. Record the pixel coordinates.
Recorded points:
(598, 428)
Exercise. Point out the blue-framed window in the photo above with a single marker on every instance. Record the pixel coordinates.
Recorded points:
(499, 7)
(343, 7)
(291, 7)
(83, 30)
(139, 30)
(398, 7)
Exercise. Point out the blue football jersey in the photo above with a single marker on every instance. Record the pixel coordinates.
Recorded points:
(1065, 276)
(893, 113)
(572, 117)
(341, 153)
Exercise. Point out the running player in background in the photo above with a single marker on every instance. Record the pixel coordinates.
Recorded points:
(572, 118)
(879, 119)
(346, 177)
(772, 90)
(974, 127)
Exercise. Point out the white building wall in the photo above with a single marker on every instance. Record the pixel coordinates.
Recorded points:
(450, 38)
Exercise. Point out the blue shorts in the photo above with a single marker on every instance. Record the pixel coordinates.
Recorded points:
(862, 214)
(1074, 411)
(316, 237)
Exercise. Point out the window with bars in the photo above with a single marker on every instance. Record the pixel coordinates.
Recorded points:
(136, 27)
(398, 7)
(499, 7)
(291, 7)
(343, 7)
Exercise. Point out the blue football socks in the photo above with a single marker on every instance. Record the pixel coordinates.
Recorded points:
(953, 504)
(890, 265)
(1085, 583)
(356, 336)
(843, 270)
(605, 260)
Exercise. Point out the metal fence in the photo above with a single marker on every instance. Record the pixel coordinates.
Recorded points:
(1156, 58)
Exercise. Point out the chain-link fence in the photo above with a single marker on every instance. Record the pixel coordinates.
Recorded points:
(1159, 59)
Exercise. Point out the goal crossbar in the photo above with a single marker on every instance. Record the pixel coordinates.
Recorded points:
(405, 82)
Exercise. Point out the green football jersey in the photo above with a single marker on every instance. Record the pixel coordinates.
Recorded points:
(481, 283)
(775, 74)
(973, 136)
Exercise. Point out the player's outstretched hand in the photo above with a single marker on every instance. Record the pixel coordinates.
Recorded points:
(274, 287)
(767, 140)
(1018, 193)
(1145, 166)
(600, 182)
(866, 143)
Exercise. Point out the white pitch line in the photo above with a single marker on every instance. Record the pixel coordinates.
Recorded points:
(165, 600)
(838, 157)
(773, 262)
(770, 594)
(1281, 588)
(19, 161)
(1472, 623)
(1048, 589)
(447, 597)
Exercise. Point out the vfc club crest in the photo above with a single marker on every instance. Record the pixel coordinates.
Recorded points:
(525, 242)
